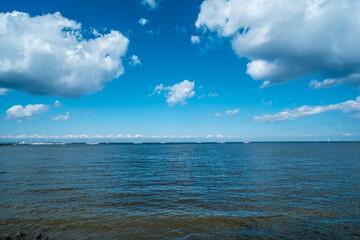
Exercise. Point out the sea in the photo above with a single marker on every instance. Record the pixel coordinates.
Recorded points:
(293, 190)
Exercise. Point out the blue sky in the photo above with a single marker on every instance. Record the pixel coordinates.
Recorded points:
(250, 76)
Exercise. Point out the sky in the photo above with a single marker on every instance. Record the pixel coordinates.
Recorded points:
(191, 70)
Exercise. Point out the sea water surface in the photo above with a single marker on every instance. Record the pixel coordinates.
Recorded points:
(182, 191)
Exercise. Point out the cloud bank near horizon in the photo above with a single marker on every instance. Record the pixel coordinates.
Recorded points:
(70, 138)
(112, 137)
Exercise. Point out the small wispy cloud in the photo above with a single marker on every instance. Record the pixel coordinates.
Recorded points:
(151, 4)
(209, 95)
(134, 60)
(195, 39)
(61, 117)
(303, 111)
(266, 103)
(331, 82)
(228, 113)
(212, 95)
(3, 91)
(57, 104)
(143, 21)
(355, 115)
(157, 89)
(265, 84)
(232, 112)
(180, 29)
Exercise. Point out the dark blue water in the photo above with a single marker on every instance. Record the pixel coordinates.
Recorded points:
(182, 191)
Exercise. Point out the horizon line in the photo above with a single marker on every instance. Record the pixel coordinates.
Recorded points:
(160, 143)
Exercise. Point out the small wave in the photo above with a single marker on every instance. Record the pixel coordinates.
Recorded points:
(51, 190)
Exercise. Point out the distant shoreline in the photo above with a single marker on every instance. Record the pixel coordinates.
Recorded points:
(157, 143)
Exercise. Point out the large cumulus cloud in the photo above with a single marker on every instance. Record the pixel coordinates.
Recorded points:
(48, 55)
(286, 40)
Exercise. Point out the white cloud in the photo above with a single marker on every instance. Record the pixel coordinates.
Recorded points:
(3, 91)
(158, 89)
(227, 113)
(57, 104)
(152, 4)
(348, 134)
(18, 111)
(266, 103)
(111, 136)
(286, 40)
(210, 95)
(135, 60)
(195, 39)
(356, 115)
(353, 79)
(48, 55)
(143, 21)
(266, 83)
(178, 93)
(232, 112)
(61, 117)
(303, 111)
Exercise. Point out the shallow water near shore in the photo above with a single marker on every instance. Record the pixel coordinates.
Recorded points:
(182, 191)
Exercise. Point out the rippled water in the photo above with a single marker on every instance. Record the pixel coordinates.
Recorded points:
(182, 191)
